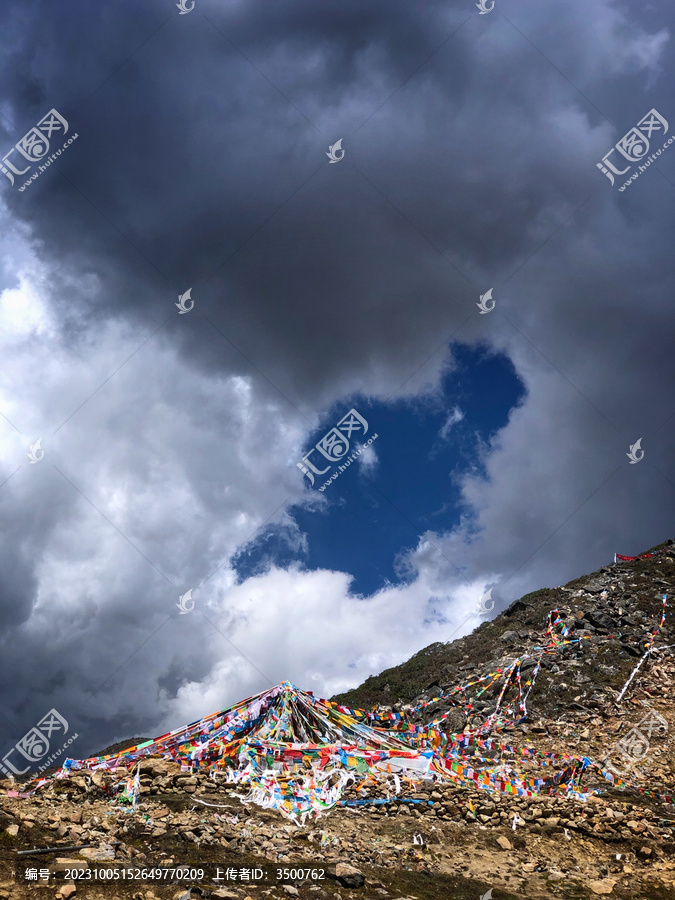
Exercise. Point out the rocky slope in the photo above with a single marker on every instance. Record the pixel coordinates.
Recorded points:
(458, 843)
(617, 607)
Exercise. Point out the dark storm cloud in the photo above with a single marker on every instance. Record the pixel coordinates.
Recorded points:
(469, 162)
(187, 150)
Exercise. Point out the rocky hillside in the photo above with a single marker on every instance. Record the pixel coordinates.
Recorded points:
(615, 609)
(444, 841)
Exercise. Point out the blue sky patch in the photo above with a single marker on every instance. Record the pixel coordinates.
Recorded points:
(376, 513)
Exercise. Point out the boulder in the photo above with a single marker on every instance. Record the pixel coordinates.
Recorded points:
(66, 891)
(454, 722)
(509, 637)
(598, 618)
(348, 876)
(594, 587)
(97, 854)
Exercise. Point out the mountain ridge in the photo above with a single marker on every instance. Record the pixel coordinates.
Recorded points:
(441, 665)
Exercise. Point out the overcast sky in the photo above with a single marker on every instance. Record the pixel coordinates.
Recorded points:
(169, 440)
